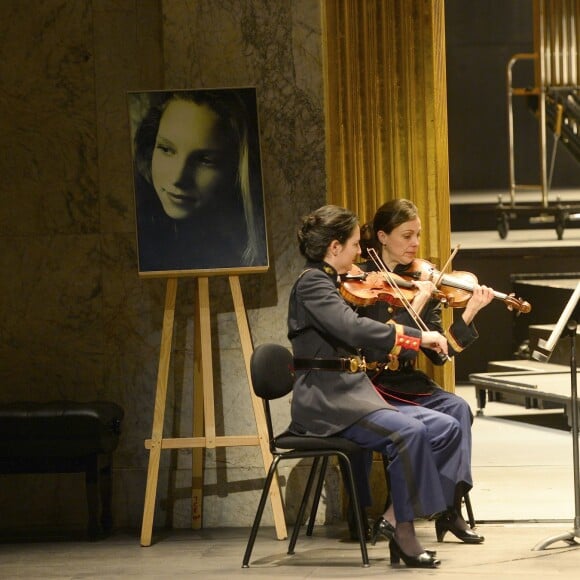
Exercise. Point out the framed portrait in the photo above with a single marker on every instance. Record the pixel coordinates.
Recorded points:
(199, 199)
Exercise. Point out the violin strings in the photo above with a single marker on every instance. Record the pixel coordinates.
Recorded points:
(418, 320)
(383, 268)
(450, 281)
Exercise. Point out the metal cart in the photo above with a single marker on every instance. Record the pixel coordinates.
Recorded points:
(555, 100)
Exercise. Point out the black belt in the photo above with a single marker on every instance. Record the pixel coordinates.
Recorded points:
(351, 364)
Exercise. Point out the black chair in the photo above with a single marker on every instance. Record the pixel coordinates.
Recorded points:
(272, 375)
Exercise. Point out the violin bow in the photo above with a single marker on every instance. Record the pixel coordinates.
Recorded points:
(440, 277)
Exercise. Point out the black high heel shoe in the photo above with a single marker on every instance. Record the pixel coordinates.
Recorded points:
(423, 560)
(446, 523)
(387, 530)
(382, 527)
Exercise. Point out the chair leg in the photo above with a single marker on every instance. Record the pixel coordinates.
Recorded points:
(469, 509)
(302, 509)
(357, 510)
(259, 512)
(317, 494)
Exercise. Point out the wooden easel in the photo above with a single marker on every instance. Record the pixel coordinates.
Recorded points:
(204, 435)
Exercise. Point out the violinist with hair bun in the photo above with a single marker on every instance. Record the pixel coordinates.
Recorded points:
(333, 396)
(395, 234)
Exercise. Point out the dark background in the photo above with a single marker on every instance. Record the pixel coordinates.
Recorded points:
(481, 37)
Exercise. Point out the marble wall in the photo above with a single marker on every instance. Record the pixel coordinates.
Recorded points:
(76, 321)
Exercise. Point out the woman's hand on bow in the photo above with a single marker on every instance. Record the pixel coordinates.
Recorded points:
(434, 340)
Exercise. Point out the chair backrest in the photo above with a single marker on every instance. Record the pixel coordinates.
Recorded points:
(271, 369)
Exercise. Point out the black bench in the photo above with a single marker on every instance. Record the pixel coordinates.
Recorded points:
(65, 437)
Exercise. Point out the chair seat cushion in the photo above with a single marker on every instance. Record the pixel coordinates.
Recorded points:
(288, 440)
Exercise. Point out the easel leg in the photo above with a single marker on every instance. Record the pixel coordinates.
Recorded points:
(159, 412)
(204, 408)
(247, 348)
(198, 453)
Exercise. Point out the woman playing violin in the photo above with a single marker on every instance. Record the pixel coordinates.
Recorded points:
(395, 234)
(330, 398)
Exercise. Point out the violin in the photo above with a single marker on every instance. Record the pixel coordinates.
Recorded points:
(362, 288)
(365, 288)
(457, 286)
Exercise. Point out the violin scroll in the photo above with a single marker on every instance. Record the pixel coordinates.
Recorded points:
(517, 304)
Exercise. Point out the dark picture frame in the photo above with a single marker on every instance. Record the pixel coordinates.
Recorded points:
(199, 198)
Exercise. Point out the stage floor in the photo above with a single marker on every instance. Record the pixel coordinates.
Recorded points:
(523, 494)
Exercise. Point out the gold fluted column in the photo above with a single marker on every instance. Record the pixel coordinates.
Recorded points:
(386, 116)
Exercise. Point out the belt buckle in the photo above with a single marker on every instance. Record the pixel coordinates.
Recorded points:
(357, 364)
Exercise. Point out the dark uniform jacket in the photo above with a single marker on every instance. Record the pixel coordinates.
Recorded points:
(399, 384)
(321, 324)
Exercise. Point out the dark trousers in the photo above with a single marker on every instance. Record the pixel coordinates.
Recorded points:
(423, 459)
(439, 401)
(454, 406)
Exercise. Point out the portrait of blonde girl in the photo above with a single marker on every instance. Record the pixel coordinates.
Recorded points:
(198, 185)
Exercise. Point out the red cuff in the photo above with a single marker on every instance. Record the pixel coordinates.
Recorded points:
(403, 342)
(408, 342)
